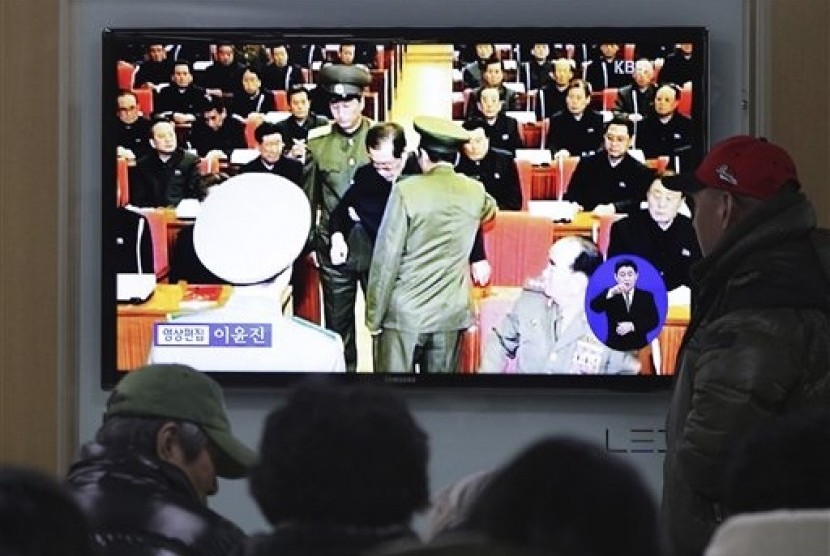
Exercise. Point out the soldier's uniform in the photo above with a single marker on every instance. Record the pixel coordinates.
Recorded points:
(418, 298)
(333, 157)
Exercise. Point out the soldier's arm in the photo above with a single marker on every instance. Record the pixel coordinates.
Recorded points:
(386, 260)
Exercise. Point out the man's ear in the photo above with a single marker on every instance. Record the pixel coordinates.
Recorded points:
(153, 143)
(728, 212)
(167, 442)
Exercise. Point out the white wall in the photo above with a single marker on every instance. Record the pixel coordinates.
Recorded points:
(469, 430)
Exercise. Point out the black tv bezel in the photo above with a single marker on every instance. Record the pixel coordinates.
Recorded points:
(111, 37)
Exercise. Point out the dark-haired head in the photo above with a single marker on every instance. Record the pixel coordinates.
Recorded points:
(387, 131)
(341, 455)
(567, 496)
(39, 518)
(625, 263)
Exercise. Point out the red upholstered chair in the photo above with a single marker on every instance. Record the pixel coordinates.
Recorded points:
(525, 171)
(658, 164)
(629, 51)
(602, 231)
(517, 246)
(158, 232)
(685, 105)
(281, 101)
(122, 180)
(250, 127)
(145, 101)
(564, 171)
(126, 75)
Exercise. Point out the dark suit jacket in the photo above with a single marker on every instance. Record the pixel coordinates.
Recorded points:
(643, 313)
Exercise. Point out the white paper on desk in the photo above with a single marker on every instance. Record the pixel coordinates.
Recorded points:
(516, 86)
(243, 156)
(132, 287)
(681, 296)
(537, 157)
(188, 208)
(557, 211)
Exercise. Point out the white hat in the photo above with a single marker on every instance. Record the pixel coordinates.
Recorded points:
(252, 227)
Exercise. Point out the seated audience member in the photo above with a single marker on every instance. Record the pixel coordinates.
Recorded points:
(608, 70)
(279, 74)
(471, 72)
(295, 128)
(167, 174)
(144, 482)
(154, 72)
(611, 180)
(551, 97)
(680, 66)
(630, 312)
(547, 330)
(349, 54)
(38, 517)
(451, 505)
(576, 131)
(502, 129)
(341, 471)
(307, 55)
(271, 160)
(214, 134)
(182, 100)
(563, 495)
(252, 100)
(249, 231)
(635, 101)
(659, 234)
(224, 76)
(494, 168)
(133, 130)
(776, 488)
(539, 68)
(492, 78)
(355, 221)
(668, 132)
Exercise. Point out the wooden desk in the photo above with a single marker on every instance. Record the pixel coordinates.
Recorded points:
(135, 322)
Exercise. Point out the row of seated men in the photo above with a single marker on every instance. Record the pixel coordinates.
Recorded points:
(244, 81)
(574, 126)
(603, 65)
(281, 64)
(168, 174)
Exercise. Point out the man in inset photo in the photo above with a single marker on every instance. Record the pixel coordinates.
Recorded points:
(631, 312)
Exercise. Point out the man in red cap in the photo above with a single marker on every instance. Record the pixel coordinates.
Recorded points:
(758, 343)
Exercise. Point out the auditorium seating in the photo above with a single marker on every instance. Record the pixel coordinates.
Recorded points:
(517, 244)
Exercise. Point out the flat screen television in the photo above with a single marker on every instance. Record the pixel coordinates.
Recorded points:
(414, 71)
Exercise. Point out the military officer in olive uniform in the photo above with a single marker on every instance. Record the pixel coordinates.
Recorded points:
(418, 298)
(335, 152)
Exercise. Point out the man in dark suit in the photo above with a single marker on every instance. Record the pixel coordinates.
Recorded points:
(636, 100)
(280, 75)
(630, 312)
(270, 160)
(576, 131)
(295, 128)
(491, 77)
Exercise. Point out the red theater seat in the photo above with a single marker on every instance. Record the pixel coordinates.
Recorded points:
(685, 105)
(126, 75)
(145, 101)
(281, 101)
(517, 246)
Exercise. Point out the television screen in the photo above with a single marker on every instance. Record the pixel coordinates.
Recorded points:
(579, 281)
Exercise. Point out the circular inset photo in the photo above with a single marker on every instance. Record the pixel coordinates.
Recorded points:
(626, 302)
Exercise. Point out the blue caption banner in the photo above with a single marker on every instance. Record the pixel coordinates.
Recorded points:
(191, 334)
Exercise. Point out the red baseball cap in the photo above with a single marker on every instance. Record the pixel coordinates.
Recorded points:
(742, 165)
